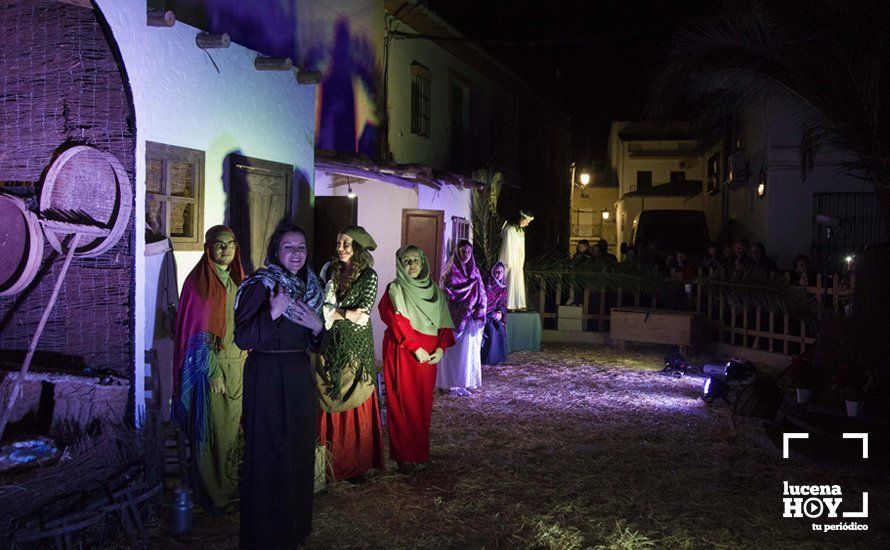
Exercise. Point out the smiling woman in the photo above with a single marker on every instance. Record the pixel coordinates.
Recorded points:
(349, 419)
(277, 318)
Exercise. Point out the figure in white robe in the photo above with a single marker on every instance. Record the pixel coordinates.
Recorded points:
(513, 257)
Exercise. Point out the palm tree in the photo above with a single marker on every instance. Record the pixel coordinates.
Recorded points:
(486, 221)
(826, 60)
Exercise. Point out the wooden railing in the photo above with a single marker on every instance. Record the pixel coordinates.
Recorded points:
(729, 323)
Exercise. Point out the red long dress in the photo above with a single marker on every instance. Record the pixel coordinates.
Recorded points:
(409, 384)
(354, 438)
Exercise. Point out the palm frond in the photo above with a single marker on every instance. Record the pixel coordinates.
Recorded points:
(770, 293)
(824, 61)
(552, 270)
(485, 219)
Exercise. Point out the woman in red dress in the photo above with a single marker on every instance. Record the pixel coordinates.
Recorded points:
(418, 331)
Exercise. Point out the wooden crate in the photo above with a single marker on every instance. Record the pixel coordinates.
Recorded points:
(685, 329)
(569, 318)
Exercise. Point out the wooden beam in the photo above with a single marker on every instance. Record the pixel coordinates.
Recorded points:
(358, 173)
(79, 3)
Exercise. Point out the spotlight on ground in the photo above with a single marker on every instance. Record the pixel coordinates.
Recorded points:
(739, 370)
(675, 365)
(714, 388)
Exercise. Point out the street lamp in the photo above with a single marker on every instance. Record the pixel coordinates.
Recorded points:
(584, 178)
(761, 184)
(605, 215)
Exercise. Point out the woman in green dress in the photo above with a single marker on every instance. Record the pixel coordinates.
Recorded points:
(349, 416)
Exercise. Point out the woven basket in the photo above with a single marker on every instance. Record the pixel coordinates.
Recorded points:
(85, 187)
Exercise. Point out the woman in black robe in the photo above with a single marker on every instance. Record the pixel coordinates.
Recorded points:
(277, 319)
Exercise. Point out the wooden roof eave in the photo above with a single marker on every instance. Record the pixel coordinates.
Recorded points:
(366, 174)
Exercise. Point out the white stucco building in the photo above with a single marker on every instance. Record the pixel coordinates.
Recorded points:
(214, 102)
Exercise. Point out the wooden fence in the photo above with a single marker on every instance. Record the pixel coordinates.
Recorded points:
(729, 323)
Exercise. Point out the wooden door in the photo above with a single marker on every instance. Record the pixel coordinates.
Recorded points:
(425, 229)
(260, 199)
(331, 215)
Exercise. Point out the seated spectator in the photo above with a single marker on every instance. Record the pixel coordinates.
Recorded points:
(761, 262)
(582, 249)
(713, 260)
(652, 259)
(682, 267)
(739, 262)
(602, 254)
(800, 271)
(582, 254)
(630, 255)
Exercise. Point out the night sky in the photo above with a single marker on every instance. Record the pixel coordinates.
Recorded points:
(594, 56)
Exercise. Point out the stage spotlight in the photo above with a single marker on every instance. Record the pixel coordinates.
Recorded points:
(675, 364)
(714, 388)
(739, 370)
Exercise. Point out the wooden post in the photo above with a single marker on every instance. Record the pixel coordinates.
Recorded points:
(308, 77)
(261, 63)
(161, 18)
(785, 335)
(758, 315)
(207, 41)
(711, 305)
(602, 311)
(803, 337)
(542, 299)
(772, 325)
(23, 372)
(835, 295)
(732, 323)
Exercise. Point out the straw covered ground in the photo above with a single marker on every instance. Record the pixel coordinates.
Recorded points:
(586, 447)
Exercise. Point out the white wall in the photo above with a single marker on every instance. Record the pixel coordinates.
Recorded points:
(455, 202)
(181, 99)
(783, 218)
(434, 150)
(380, 208)
(661, 167)
(380, 213)
(588, 212)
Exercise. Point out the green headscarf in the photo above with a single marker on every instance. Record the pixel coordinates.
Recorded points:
(419, 300)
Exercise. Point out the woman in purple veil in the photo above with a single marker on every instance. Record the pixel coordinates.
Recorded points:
(494, 335)
(462, 284)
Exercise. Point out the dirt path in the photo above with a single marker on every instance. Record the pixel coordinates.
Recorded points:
(581, 447)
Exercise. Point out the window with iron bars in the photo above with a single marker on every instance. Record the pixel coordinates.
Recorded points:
(460, 229)
(420, 100)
